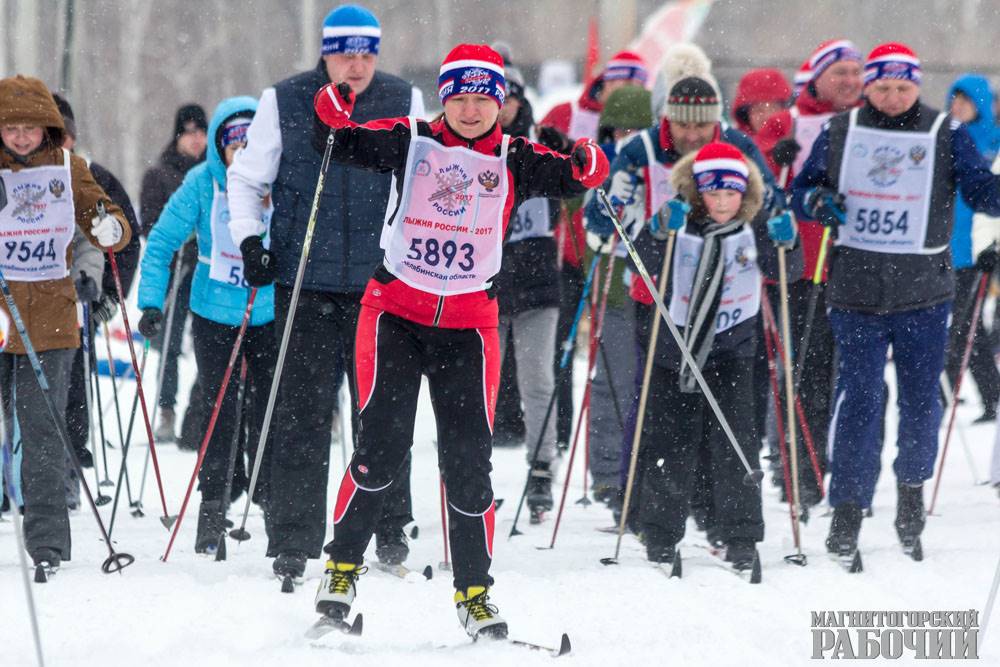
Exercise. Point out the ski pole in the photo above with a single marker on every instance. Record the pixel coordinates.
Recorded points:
(988, 609)
(118, 411)
(115, 561)
(798, 558)
(171, 307)
(233, 356)
(647, 373)
(21, 548)
(101, 498)
(445, 564)
(88, 359)
(100, 413)
(126, 446)
(949, 399)
(814, 289)
(966, 355)
(166, 519)
(287, 333)
(753, 475)
(567, 355)
(597, 333)
(220, 551)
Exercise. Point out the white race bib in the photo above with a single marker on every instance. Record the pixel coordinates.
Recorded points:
(447, 237)
(740, 282)
(886, 177)
(226, 264)
(37, 223)
(583, 123)
(531, 221)
(807, 131)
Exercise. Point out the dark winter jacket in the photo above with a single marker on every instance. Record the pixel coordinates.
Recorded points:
(345, 248)
(158, 184)
(877, 282)
(532, 171)
(528, 278)
(739, 341)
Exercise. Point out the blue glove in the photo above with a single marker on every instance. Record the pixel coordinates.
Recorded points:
(781, 229)
(827, 206)
(679, 210)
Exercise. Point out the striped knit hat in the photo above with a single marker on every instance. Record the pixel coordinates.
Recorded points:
(625, 66)
(892, 60)
(351, 29)
(802, 78)
(693, 100)
(472, 69)
(719, 166)
(832, 51)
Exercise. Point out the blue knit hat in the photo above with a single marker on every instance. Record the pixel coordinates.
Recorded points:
(351, 29)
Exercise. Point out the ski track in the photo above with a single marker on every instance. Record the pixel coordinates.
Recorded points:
(194, 611)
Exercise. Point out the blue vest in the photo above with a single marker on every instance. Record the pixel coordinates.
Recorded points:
(345, 248)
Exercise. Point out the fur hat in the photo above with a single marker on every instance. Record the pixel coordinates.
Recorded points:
(684, 182)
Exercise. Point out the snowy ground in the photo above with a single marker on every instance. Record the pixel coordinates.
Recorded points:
(195, 611)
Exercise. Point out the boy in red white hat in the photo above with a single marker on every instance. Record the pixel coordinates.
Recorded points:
(890, 198)
(430, 309)
(721, 250)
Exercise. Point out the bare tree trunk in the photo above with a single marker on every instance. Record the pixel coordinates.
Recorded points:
(130, 100)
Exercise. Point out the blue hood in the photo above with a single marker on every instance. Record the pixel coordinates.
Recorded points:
(983, 130)
(227, 108)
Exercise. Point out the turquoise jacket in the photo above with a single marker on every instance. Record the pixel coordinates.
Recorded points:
(188, 210)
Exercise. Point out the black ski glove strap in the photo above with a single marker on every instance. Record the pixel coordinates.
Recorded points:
(258, 262)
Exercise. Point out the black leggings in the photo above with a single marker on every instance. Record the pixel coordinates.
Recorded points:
(463, 371)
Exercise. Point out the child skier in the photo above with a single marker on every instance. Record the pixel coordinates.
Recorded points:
(218, 301)
(714, 288)
(430, 309)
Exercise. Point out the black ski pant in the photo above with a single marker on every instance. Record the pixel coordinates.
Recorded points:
(463, 371)
(321, 342)
(571, 280)
(981, 363)
(679, 428)
(213, 344)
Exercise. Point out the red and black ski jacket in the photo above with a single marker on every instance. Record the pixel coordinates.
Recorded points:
(532, 171)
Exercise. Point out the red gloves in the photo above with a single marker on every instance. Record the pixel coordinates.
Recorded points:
(334, 103)
(590, 165)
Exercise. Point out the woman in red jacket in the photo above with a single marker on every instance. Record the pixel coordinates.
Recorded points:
(430, 309)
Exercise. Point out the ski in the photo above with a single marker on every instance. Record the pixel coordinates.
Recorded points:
(289, 582)
(752, 574)
(914, 549)
(537, 516)
(402, 571)
(564, 645)
(851, 562)
(327, 624)
(44, 572)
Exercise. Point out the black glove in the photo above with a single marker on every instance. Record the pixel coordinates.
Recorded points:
(104, 308)
(987, 260)
(150, 324)
(785, 152)
(86, 288)
(554, 140)
(258, 263)
(827, 206)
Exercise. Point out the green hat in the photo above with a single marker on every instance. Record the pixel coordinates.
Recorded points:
(627, 108)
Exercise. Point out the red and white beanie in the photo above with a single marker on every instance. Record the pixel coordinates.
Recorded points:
(719, 166)
(832, 51)
(892, 60)
(472, 69)
(802, 78)
(625, 66)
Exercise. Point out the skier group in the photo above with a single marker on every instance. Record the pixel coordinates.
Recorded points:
(744, 282)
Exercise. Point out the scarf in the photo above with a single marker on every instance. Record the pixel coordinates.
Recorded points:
(706, 293)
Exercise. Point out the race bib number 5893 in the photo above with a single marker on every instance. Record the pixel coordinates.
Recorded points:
(431, 252)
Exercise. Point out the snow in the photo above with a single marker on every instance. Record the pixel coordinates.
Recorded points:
(195, 611)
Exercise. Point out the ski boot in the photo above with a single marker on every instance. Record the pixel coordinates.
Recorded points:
(211, 523)
(843, 538)
(391, 546)
(46, 562)
(741, 552)
(910, 518)
(660, 553)
(289, 566)
(477, 616)
(539, 491)
(165, 430)
(337, 589)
